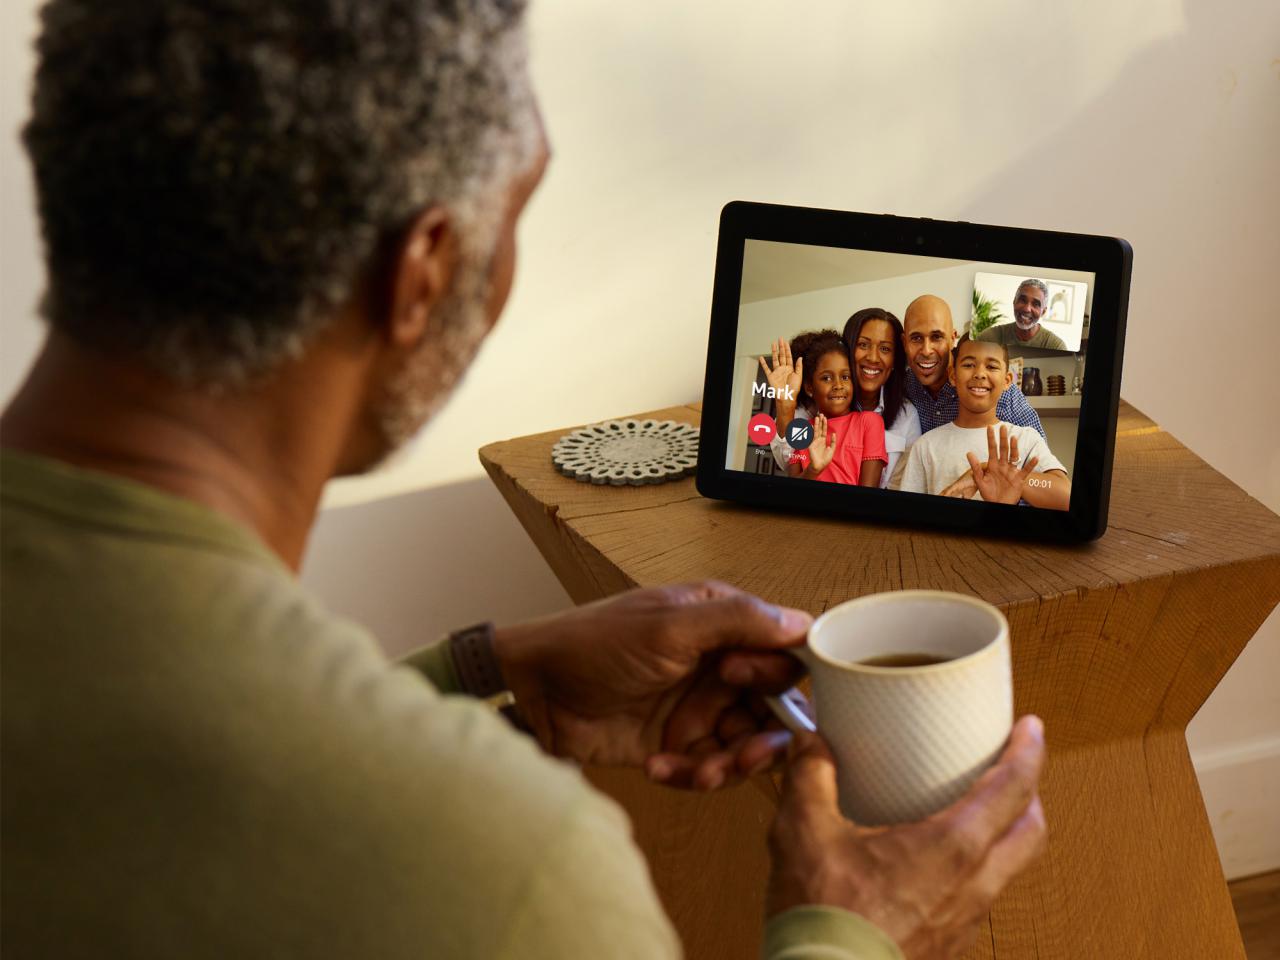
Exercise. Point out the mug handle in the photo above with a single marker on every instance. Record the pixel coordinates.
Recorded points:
(791, 706)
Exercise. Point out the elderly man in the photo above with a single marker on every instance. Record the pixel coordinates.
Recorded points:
(275, 236)
(1029, 304)
(928, 337)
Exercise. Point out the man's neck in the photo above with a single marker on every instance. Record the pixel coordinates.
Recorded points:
(969, 420)
(934, 389)
(1027, 335)
(259, 456)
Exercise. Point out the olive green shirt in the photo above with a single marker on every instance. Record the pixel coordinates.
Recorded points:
(1004, 333)
(199, 761)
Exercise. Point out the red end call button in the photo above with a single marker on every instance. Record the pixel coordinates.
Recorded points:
(761, 429)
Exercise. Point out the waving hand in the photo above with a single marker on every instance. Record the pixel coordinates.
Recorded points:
(784, 375)
(1001, 480)
(823, 449)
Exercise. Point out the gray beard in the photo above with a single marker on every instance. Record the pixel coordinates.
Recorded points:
(459, 324)
(1025, 326)
(460, 321)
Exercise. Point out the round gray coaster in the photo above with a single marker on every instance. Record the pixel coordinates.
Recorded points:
(621, 452)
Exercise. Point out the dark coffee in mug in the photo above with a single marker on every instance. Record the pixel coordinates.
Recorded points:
(904, 660)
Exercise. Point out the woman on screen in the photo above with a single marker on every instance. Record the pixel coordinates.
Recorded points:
(873, 338)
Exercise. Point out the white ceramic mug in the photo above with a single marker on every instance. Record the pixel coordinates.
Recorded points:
(908, 741)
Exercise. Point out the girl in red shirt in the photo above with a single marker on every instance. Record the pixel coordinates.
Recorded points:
(848, 445)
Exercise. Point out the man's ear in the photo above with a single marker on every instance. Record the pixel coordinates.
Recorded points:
(421, 273)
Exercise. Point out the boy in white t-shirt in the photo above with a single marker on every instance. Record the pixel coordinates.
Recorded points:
(936, 463)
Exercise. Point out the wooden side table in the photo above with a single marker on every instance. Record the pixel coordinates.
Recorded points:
(1115, 644)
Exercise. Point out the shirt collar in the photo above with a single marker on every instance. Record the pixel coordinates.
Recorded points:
(920, 394)
(879, 403)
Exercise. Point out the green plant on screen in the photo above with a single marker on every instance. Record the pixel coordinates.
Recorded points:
(985, 313)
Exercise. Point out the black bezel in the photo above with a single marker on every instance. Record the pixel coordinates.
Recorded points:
(1108, 258)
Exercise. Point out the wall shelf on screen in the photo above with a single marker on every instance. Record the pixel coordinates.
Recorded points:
(1068, 406)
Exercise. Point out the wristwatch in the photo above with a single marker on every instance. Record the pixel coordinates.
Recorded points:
(480, 673)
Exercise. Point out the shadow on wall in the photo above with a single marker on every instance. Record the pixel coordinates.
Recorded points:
(413, 567)
(1188, 134)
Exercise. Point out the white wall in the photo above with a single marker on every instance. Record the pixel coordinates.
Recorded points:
(1154, 120)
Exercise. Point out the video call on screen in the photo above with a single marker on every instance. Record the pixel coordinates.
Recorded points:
(846, 372)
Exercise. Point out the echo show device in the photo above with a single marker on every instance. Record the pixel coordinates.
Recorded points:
(914, 371)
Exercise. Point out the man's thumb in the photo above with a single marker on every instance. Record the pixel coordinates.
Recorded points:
(744, 621)
(810, 781)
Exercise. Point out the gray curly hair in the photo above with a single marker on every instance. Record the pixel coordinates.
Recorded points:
(214, 177)
(1044, 289)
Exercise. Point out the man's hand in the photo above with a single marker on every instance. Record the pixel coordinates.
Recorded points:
(668, 678)
(928, 885)
(1000, 480)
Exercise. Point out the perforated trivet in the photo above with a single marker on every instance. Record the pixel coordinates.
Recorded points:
(621, 452)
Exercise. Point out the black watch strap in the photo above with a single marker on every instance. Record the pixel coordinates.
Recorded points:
(475, 662)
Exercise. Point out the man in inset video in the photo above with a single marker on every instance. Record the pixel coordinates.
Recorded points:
(1029, 305)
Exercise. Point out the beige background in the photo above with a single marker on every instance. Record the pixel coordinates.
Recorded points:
(1154, 120)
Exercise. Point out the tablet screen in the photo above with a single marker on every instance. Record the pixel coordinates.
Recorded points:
(938, 377)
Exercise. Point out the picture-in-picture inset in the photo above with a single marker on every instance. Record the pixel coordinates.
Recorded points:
(1028, 312)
